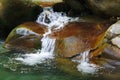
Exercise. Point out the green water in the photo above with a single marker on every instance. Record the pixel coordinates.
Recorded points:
(12, 70)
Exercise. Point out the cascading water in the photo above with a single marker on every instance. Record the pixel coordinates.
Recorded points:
(54, 20)
(84, 65)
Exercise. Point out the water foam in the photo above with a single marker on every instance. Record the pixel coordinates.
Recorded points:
(51, 19)
(84, 65)
(35, 58)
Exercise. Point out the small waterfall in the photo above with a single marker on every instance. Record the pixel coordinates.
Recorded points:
(53, 20)
(84, 65)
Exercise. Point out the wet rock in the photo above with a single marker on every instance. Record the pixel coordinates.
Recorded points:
(66, 65)
(46, 3)
(116, 41)
(25, 37)
(15, 12)
(76, 38)
(105, 8)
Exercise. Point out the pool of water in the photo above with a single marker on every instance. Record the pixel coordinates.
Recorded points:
(11, 69)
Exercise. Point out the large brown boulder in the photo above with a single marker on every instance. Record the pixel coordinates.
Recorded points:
(78, 37)
(25, 37)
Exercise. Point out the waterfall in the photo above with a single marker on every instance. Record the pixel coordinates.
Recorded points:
(84, 65)
(53, 20)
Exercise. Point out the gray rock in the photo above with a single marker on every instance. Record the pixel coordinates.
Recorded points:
(116, 41)
(115, 28)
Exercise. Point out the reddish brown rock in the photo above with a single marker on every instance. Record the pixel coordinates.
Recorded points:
(76, 38)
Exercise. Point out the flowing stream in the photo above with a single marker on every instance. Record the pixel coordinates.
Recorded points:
(53, 20)
(41, 65)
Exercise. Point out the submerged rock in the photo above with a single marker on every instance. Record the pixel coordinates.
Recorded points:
(25, 37)
(68, 66)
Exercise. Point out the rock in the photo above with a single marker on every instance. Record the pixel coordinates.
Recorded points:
(61, 7)
(104, 8)
(116, 41)
(25, 37)
(17, 12)
(112, 52)
(75, 5)
(113, 31)
(76, 38)
(77, 8)
(46, 3)
(67, 66)
(115, 28)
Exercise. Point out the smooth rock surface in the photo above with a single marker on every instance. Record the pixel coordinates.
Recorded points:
(115, 28)
(116, 41)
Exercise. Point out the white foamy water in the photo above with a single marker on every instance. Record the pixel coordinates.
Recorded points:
(35, 58)
(84, 65)
(54, 19)
(51, 19)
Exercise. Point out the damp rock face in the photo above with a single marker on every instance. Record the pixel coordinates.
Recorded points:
(13, 13)
(25, 37)
(104, 8)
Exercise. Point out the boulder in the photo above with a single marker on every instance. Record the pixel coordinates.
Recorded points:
(15, 12)
(78, 37)
(104, 8)
(25, 37)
